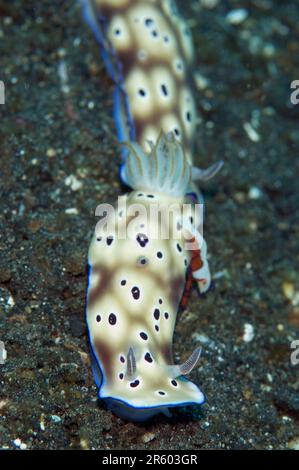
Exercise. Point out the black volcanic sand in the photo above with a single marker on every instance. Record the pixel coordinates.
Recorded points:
(60, 158)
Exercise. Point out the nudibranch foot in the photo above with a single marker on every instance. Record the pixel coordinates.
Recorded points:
(146, 410)
(137, 415)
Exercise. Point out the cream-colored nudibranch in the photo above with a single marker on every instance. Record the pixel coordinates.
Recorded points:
(136, 284)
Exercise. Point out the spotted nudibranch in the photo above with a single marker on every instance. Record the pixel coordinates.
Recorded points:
(136, 284)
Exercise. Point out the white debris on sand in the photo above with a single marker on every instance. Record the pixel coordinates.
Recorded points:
(3, 404)
(42, 423)
(72, 211)
(51, 152)
(254, 193)
(251, 132)
(148, 437)
(10, 301)
(290, 292)
(248, 333)
(73, 182)
(56, 419)
(63, 75)
(237, 16)
(6, 299)
(201, 82)
(201, 338)
(19, 444)
(210, 4)
(204, 339)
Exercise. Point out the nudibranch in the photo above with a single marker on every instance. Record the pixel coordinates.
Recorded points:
(136, 282)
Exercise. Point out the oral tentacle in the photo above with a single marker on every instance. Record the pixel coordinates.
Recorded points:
(187, 367)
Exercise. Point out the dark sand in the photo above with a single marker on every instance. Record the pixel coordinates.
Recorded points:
(47, 395)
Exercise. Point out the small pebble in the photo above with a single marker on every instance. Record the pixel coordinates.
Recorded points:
(51, 153)
(295, 299)
(7, 20)
(287, 400)
(269, 50)
(73, 182)
(3, 404)
(21, 445)
(17, 442)
(77, 42)
(3, 354)
(251, 132)
(34, 225)
(239, 197)
(253, 225)
(247, 394)
(237, 16)
(248, 333)
(56, 419)
(84, 444)
(72, 211)
(5, 274)
(201, 81)
(42, 424)
(77, 327)
(290, 293)
(201, 338)
(61, 52)
(294, 317)
(210, 4)
(288, 289)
